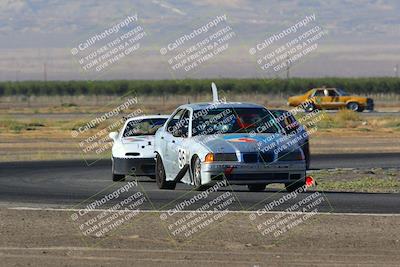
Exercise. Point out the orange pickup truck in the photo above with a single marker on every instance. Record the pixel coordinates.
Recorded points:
(331, 98)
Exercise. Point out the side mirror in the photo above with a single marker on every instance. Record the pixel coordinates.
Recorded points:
(113, 135)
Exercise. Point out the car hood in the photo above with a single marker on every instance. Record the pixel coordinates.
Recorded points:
(232, 143)
(137, 139)
(296, 100)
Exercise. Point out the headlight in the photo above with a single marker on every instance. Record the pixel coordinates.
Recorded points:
(290, 155)
(211, 157)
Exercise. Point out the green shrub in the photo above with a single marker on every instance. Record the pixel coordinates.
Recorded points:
(193, 86)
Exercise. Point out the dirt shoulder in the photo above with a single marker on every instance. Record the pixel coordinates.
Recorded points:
(372, 180)
(49, 238)
(50, 143)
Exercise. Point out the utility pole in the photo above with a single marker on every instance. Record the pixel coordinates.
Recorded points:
(396, 70)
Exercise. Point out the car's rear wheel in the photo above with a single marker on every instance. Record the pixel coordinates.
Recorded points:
(306, 150)
(116, 177)
(256, 187)
(353, 106)
(161, 181)
(290, 187)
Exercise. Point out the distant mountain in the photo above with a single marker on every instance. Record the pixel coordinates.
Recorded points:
(363, 35)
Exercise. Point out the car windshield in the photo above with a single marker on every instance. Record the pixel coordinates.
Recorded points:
(233, 120)
(341, 92)
(143, 127)
(286, 120)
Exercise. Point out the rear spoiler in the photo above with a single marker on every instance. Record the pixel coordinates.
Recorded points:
(214, 92)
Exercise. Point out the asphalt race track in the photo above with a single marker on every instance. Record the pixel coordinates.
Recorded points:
(65, 184)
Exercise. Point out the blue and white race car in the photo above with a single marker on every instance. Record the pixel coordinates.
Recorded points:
(292, 127)
(133, 147)
(241, 143)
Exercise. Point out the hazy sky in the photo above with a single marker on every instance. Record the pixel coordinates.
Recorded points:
(352, 38)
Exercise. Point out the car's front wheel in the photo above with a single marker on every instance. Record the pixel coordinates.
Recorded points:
(256, 187)
(196, 174)
(161, 178)
(309, 107)
(196, 170)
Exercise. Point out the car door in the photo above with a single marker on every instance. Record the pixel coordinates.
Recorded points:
(318, 97)
(167, 137)
(334, 99)
(177, 149)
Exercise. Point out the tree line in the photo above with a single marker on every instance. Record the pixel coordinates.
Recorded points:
(194, 86)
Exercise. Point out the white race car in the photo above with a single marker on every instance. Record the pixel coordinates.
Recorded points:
(133, 147)
(243, 143)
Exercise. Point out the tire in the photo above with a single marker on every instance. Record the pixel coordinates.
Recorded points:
(256, 187)
(306, 151)
(116, 177)
(196, 171)
(196, 174)
(354, 106)
(290, 187)
(310, 107)
(161, 181)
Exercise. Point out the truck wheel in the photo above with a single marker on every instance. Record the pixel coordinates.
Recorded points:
(353, 106)
(256, 187)
(161, 181)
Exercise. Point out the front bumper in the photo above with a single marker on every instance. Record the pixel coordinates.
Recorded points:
(254, 173)
(134, 166)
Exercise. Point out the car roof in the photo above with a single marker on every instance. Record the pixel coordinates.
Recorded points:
(200, 106)
(148, 117)
(323, 88)
(283, 111)
(278, 110)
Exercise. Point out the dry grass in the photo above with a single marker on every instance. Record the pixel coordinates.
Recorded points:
(43, 130)
(342, 119)
(152, 104)
(366, 180)
(16, 126)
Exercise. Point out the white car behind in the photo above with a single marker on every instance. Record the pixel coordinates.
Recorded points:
(133, 147)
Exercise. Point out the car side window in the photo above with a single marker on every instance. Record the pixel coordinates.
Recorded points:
(319, 93)
(171, 126)
(185, 123)
(332, 93)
